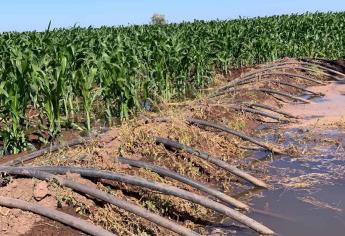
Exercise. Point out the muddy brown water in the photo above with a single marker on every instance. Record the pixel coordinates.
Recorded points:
(308, 191)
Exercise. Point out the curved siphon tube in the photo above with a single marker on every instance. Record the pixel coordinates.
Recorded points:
(53, 214)
(38, 153)
(205, 156)
(191, 182)
(163, 188)
(248, 79)
(299, 87)
(245, 137)
(40, 173)
(271, 91)
(261, 113)
(106, 197)
(257, 72)
(270, 108)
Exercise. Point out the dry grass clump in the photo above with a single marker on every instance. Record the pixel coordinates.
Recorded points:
(304, 181)
(320, 204)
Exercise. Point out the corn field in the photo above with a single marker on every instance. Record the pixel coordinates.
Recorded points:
(67, 78)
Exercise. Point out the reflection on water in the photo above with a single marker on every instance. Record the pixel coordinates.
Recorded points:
(308, 192)
(319, 212)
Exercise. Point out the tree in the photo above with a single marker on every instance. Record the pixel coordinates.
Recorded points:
(158, 19)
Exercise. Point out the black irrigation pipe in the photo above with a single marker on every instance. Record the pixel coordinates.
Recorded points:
(270, 108)
(323, 67)
(261, 70)
(170, 190)
(291, 75)
(335, 78)
(256, 77)
(53, 214)
(261, 113)
(38, 153)
(329, 64)
(299, 60)
(271, 91)
(243, 136)
(299, 87)
(283, 65)
(284, 94)
(138, 181)
(225, 89)
(278, 73)
(324, 61)
(163, 188)
(254, 111)
(106, 197)
(191, 182)
(248, 79)
(306, 67)
(216, 161)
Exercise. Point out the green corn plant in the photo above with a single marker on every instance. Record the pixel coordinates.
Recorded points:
(105, 81)
(65, 74)
(14, 97)
(13, 136)
(12, 132)
(86, 80)
(51, 84)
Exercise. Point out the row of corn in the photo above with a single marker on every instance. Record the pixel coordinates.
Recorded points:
(69, 78)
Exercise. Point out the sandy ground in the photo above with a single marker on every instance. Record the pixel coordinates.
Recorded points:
(16, 222)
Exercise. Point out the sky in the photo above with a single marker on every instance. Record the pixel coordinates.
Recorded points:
(24, 15)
